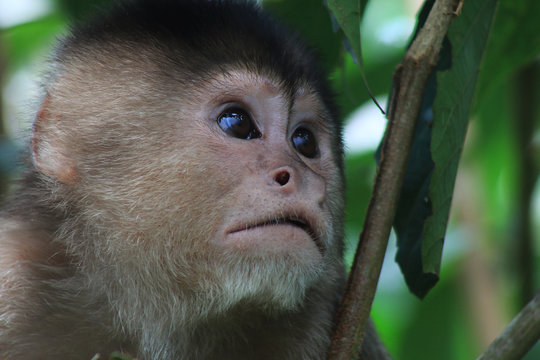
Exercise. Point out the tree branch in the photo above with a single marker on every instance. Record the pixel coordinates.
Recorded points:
(409, 83)
(517, 339)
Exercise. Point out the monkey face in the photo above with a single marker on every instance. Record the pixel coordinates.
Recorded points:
(271, 158)
(270, 179)
(239, 189)
(225, 182)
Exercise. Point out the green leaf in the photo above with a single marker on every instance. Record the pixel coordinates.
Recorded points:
(468, 35)
(414, 204)
(348, 15)
(422, 213)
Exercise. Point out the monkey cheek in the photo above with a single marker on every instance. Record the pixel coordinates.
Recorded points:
(278, 240)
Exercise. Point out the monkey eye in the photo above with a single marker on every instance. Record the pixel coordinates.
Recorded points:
(304, 142)
(236, 122)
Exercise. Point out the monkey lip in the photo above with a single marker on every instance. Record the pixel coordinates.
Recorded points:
(296, 221)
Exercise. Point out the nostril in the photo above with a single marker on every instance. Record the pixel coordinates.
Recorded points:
(282, 177)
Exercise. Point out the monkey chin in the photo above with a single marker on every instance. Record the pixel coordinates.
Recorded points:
(273, 265)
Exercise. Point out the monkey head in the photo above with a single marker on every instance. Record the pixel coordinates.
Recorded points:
(197, 155)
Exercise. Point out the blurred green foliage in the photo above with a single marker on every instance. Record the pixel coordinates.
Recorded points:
(484, 217)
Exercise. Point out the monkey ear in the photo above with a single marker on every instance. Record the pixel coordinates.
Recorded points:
(49, 148)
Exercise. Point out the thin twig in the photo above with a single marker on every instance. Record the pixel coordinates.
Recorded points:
(409, 84)
(518, 338)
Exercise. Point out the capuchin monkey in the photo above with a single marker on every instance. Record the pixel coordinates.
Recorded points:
(185, 198)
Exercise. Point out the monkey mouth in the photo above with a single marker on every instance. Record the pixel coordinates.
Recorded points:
(296, 221)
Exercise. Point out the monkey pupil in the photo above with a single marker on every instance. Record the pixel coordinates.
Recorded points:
(304, 142)
(238, 123)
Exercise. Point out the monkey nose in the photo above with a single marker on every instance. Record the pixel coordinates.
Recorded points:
(282, 177)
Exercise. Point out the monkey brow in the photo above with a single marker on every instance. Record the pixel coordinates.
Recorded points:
(323, 116)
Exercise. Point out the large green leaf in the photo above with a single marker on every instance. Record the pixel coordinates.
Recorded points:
(422, 213)
(468, 35)
(348, 14)
(414, 204)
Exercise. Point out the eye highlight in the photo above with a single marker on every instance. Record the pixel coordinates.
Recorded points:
(237, 123)
(305, 143)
